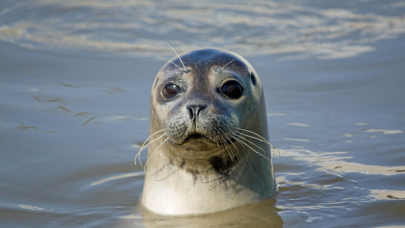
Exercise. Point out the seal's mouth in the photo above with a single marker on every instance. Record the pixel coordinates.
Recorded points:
(196, 136)
(201, 137)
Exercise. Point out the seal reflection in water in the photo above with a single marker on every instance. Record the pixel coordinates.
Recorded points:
(208, 144)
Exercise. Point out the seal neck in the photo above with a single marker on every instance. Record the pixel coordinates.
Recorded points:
(174, 191)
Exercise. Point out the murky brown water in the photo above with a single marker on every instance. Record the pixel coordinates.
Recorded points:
(75, 79)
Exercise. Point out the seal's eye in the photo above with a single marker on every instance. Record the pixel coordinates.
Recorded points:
(171, 90)
(232, 89)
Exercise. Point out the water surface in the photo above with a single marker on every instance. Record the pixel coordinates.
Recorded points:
(75, 79)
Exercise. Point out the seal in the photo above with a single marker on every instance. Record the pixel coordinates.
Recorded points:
(208, 149)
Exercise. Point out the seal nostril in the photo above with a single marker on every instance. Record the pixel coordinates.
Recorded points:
(194, 110)
(190, 113)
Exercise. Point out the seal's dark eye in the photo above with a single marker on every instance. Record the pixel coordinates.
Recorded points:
(232, 89)
(171, 90)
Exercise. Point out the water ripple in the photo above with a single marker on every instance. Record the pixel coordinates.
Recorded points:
(252, 29)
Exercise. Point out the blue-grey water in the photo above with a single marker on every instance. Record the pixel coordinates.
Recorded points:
(75, 79)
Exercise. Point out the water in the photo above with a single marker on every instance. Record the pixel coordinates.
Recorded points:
(75, 78)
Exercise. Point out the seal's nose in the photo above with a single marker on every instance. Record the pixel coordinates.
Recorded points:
(194, 111)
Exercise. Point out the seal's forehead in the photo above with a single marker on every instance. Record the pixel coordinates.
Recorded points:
(204, 59)
(208, 54)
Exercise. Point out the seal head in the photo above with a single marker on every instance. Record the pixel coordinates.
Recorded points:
(208, 113)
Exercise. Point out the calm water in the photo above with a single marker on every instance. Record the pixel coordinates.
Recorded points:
(75, 78)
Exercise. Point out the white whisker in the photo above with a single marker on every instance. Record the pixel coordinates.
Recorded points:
(225, 144)
(264, 140)
(240, 141)
(168, 175)
(161, 169)
(175, 52)
(172, 62)
(153, 153)
(144, 146)
(228, 63)
(231, 142)
(216, 139)
(225, 135)
(246, 140)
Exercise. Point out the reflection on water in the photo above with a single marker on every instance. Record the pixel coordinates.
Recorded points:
(75, 79)
(336, 161)
(263, 214)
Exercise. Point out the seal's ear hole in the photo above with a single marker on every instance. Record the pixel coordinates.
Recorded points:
(253, 78)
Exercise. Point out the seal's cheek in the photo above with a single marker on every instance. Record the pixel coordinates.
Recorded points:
(176, 127)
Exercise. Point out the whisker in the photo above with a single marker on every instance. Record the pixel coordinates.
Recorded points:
(216, 139)
(240, 171)
(231, 141)
(175, 52)
(144, 146)
(150, 137)
(225, 135)
(172, 62)
(265, 140)
(168, 175)
(161, 169)
(240, 141)
(234, 168)
(221, 140)
(246, 140)
(225, 144)
(229, 149)
(153, 153)
(228, 63)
